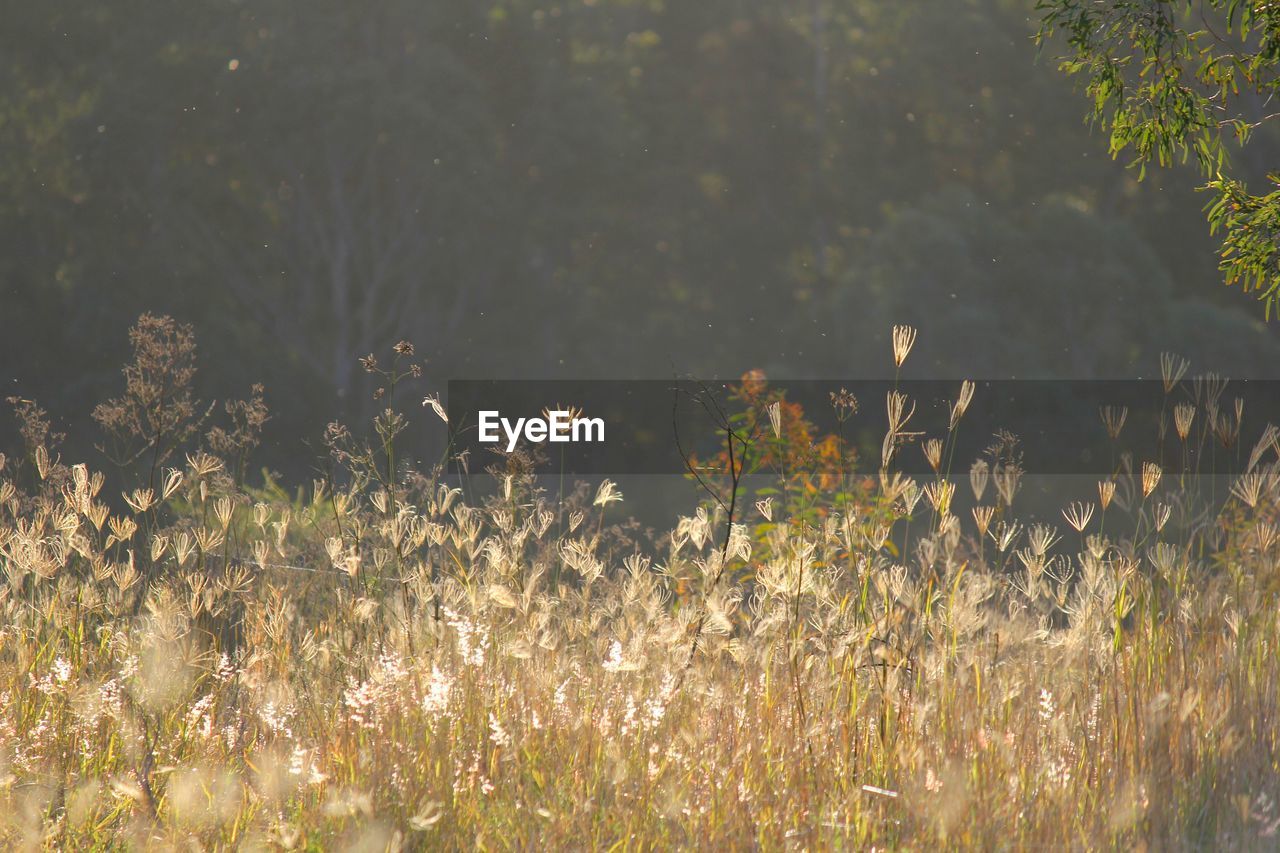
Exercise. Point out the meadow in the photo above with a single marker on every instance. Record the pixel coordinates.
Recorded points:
(378, 660)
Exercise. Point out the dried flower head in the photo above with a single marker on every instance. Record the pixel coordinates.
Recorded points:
(961, 404)
(608, 493)
(774, 411)
(1007, 478)
(434, 402)
(939, 494)
(933, 453)
(1113, 418)
(1041, 537)
(899, 414)
(1172, 369)
(1078, 515)
(982, 516)
(1249, 488)
(1183, 415)
(1151, 473)
(1226, 430)
(140, 500)
(844, 403)
(1005, 533)
(1161, 515)
(904, 337)
(158, 411)
(765, 508)
(979, 474)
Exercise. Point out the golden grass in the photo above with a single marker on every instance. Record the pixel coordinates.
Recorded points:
(213, 668)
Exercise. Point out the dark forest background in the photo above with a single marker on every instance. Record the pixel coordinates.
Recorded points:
(596, 189)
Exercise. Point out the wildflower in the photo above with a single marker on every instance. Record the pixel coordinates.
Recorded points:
(614, 662)
(1047, 709)
(471, 643)
(110, 699)
(436, 699)
(226, 668)
(302, 763)
(277, 719)
(361, 701)
(198, 716)
(499, 735)
(50, 683)
(1106, 491)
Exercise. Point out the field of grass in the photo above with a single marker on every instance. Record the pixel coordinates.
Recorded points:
(387, 663)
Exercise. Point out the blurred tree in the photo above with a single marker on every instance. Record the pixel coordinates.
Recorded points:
(603, 188)
(1049, 290)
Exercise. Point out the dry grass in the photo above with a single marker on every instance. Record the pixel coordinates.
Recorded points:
(212, 667)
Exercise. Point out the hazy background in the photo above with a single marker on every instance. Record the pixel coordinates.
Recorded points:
(598, 188)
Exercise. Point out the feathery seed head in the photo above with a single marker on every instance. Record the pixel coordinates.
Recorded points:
(904, 337)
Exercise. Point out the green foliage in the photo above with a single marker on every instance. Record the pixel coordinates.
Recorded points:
(1179, 81)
